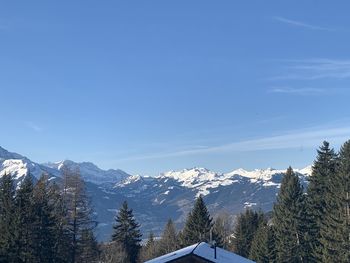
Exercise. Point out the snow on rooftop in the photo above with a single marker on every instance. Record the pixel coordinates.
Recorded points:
(173, 255)
(205, 251)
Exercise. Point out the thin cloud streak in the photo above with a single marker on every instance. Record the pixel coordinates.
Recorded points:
(313, 69)
(309, 138)
(298, 91)
(33, 126)
(302, 24)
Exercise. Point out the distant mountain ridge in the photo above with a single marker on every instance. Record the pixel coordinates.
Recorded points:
(90, 172)
(203, 179)
(168, 195)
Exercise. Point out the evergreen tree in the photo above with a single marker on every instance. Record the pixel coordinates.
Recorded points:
(263, 245)
(62, 246)
(24, 221)
(318, 194)
(271, 245)
(335, 227)
(198, 224)
(43, 235)
(245, 228)
(88, 247)
(259, 250)
(222, 230)
(169, 241)
(127, 233)
(7, 220)
(78, 210)
(286, 219)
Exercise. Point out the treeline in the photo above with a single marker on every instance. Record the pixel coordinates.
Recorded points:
(46, 221)
(53, 222)
(126, 240)
(306, 225)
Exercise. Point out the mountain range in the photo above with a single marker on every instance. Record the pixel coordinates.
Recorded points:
(168, 195)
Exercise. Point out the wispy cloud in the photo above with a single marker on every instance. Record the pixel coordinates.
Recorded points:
(31, 125)
(307, 138)
(302, 24)
(313, 69)
(298, 91)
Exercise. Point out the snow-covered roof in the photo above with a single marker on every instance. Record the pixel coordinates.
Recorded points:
(205, 251)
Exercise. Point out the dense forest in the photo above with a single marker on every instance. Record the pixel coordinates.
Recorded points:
(45, 221)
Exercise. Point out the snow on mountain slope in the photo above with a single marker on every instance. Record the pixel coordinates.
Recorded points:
(19, 166)
(203, 179)
(129, 180)
(155, 199)
(266, 174)
(90, 172)
(307, 171)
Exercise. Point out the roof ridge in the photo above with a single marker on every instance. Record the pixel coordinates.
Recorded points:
(196, 247)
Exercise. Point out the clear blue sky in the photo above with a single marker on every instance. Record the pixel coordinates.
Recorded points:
(148, 86)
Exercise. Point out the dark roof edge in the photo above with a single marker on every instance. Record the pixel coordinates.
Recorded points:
(196, 247)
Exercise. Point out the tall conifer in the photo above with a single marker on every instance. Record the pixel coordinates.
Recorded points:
(325, 168)
(198, 224)
(258, 249)
(335, 227)
(287, 220)
(25, 217)
(245, 229)
(127, 233)
(169, 241)
(7, 220)
(78, 210)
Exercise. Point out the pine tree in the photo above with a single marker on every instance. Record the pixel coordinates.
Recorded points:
(286, 219)
(24, 220)
(169, 240)
(78, 210)
(127, 233)
(263, 245)
(198, 224)
(271, 245)
(62, 246)
(259, 250)
(318, 194)
(88, 247)
(335, 227)
(7, 220)
(245, 228)
(43, 235)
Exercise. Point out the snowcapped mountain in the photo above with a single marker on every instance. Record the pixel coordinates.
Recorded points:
(168, 195)
(19, 166)
(5, 154)
(203, 179)
(90, 172)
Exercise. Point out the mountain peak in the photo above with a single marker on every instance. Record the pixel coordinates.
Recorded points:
(5, 154)
(90, 172)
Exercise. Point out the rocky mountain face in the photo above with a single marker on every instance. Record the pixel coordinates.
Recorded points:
(169, 195)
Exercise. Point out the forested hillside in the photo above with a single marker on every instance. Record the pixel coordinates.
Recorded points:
(49, 220)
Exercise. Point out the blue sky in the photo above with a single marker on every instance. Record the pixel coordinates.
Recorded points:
(149, 86)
